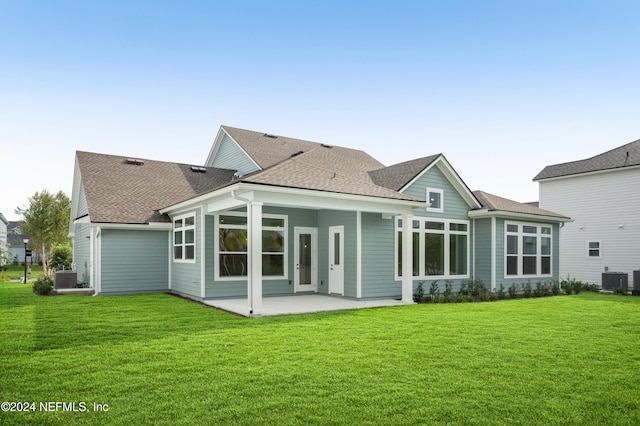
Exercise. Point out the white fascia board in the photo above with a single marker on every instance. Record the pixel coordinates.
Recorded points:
(75, 194)
(323, 200)
(152, 226)
(224, 198)
(480, 214)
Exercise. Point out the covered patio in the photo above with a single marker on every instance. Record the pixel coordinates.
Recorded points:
(299, 304)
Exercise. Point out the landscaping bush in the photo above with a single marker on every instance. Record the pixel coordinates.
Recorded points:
(513, 290)
(501, 294)
(61, 257)
(43, 286)
(418, 295)
(448, 291)
(434, 291)
(526, 289)
(555, 288)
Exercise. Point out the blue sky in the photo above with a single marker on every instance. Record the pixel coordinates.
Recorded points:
(501, 88)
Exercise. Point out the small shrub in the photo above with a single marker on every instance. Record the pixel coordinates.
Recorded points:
(501, 294)
(434, 291)
(539, 291)
(418, 295)
(448, 291)
(43, 286)
(526, 290)
(464, 288)
(555, 288)
(619, 290)
(513, 290)
(591, 287)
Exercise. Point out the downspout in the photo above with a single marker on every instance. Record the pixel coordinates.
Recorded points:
(98, 265)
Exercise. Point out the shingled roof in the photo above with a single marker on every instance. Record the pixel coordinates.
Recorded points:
(296, 163)
(624, 156)
(397, 176)
(120, 192)
(494, 203)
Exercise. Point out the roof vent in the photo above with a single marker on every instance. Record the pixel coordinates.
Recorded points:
(134, 161)
(324, 145)
(267, 135)
(295, 154)
(197, 169)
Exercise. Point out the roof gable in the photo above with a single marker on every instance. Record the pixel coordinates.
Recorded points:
(401, 176)
(117, 191)
(624, 156)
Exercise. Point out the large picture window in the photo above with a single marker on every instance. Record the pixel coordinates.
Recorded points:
(184, 241)
(440, 248)
(233, 244)
(528, 250)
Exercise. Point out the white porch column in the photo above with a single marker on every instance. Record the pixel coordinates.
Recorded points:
(254, 282)
(407, 258)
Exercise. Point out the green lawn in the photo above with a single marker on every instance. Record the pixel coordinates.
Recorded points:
(158, 359)
(15, 272)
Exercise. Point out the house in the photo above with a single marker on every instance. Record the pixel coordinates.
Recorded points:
(4, 245)
(270, 215)
(15, 240)
(601, 195)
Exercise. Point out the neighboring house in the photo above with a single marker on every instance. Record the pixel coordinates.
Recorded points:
(270, 215)
(4, 245)
(601, 195)
(16, 243)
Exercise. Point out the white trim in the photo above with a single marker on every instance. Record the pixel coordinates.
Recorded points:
(254, 258)
(358, 254)
(203, 257)
(484, 213)
(407, 257)
(170, 257)
(520, 234)
(297, 230)
(599, 256)
(421, 231)
(331, 251)
(154, 226)
(439, 191)
(183, 230)
(301, 198)
(216, 249)
(98, 266)
(494, 248)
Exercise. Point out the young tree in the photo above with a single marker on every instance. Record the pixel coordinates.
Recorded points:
(46, 222)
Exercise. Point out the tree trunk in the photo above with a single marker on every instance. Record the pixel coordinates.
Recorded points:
(45, 263)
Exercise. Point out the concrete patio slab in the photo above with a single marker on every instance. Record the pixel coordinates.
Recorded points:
(302, 304)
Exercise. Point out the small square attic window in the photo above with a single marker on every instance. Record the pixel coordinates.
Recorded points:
(435, 197)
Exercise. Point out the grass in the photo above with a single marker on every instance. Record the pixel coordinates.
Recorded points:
(158, 359)
(15, 272)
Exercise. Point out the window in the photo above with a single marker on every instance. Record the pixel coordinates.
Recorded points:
(440, 248)
(593, 249)
(233, 243)
(527, 250)
(184, 242)
(436, 198)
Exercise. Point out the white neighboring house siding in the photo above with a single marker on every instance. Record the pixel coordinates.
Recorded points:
(605, 207)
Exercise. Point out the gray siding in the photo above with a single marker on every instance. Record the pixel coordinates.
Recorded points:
(270, 287)
(327, 218)
(231, 156)
(185, 277)
(83, 210)
(378, 257)
(81, 250)
(455, 207)
(483, 251)
(134, 261)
